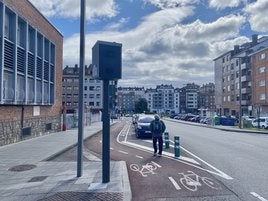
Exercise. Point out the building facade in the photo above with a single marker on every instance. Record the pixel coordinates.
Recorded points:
(259, 61)
(234, 83)
(189, 96)
(162, 99)
(31, 73)
(127, 97)
(70, 89)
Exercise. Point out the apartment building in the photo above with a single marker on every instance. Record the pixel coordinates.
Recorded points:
(127, 97)
(189, 95)
(162, 99)
(259, 63)
(233, 79)
(31, 73)
(207, 96)
(70, 89)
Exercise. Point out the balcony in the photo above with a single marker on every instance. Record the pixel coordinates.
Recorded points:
(246, 78)
(245, 66)
(246, 90)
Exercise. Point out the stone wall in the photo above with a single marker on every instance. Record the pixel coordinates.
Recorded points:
(11, 132)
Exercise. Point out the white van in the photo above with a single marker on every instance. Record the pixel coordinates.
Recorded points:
(263, 122)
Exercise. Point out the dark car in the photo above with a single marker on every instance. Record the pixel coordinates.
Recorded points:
(142, 126)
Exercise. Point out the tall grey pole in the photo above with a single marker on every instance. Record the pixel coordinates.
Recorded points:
(240, 95)
(105, 134)
(81, 94)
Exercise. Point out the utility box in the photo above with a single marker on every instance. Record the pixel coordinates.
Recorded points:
(107, 60)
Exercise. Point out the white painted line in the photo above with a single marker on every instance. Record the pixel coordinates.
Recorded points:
(258, 196)
(123, 152)
(156, 164)
(166, 154)
(176, 185)
(191, 160)
(222, 173)
(139, 156)
(127, 133)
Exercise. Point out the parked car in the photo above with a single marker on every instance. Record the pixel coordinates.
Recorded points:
(262, 120)
(142, 126)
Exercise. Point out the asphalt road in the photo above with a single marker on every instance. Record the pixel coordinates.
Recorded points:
(242, 156)
(214, 165)
(160, 178)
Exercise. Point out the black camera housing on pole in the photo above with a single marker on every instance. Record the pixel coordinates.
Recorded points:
(107, 65)
(107, 60)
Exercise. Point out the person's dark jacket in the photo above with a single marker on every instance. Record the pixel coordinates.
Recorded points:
(157, 132)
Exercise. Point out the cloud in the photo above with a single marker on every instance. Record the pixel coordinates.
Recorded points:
(220, 4)
(163, 49)
(71, 8)
(163, 4)
(118, 25)
(257, 13)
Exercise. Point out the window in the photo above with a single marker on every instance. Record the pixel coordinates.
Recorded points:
(262, 69)
(262, 83)
(34, 69)
(21, 33)
(262, 56)
(262, 96)
(229, 98)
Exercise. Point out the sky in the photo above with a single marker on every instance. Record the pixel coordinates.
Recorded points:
(163, 41)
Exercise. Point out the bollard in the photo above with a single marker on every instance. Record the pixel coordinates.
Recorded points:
(177, 146)
(166, 140)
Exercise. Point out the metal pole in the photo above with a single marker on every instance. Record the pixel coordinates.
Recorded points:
(240, 95)
(105, 134)
(177, 146)
(81, 90)
(166, 140)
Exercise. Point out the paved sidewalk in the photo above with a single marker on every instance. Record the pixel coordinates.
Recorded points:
(26, 176)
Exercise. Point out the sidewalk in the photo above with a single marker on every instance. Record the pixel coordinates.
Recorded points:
(25, 175)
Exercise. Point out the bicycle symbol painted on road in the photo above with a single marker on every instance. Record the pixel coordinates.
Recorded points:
(146, 169)
(192, 181)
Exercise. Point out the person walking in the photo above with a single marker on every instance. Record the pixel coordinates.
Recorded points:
(157, 127)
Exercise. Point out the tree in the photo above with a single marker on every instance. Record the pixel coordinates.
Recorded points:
(141, 106)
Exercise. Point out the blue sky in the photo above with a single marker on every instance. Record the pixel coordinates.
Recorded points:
(164, 41)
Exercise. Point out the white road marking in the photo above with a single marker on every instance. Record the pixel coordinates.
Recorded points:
(127, 133)
(111, 148)
(176, 185)
(222, 173)
(181, 159)
(168, 155)
(172, 155)
(139, 156)
(156, 164)
(258, 196)
(123, 152)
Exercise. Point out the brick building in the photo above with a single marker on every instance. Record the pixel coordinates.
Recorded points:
(260, 81)
(31, 73)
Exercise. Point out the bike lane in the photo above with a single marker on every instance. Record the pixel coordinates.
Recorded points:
(152, 177)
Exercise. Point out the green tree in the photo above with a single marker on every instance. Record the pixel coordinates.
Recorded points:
(141, 105)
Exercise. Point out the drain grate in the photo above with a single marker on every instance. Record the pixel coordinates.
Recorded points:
(21, 168)
(74, 196)
(38, 179)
